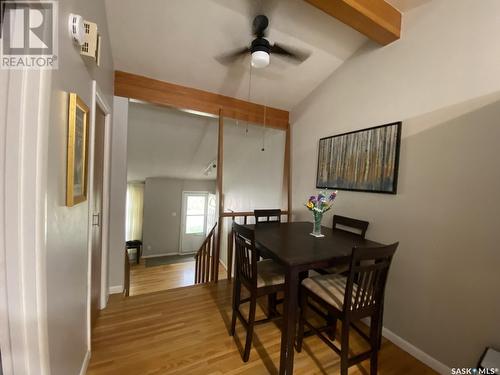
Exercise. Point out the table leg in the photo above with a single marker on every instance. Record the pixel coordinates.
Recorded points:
(289, 322)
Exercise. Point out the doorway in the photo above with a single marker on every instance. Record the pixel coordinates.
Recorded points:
(169, 153)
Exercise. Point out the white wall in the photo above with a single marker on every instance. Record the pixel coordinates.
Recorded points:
(66, 227)
(442, 295)
(252, 178)
(162, 212)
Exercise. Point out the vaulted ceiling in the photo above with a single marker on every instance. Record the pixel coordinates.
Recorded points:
(176, 41)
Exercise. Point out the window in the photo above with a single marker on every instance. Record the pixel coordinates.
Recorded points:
(195, 214)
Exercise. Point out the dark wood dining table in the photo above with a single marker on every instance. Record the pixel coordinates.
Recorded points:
(292, 246)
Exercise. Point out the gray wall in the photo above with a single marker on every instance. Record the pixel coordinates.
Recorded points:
(163, 198)
(442, 293)
(66, 231)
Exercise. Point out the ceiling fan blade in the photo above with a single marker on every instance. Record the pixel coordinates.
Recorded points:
(290, 52)
(227, 58)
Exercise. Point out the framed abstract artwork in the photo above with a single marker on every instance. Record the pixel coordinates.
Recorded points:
(77, 154)
(362, 160)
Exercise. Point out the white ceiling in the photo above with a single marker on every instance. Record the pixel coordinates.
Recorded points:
(165, 142)
(176, 41)
(407, 5)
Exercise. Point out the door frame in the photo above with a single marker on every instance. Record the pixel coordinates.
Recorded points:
(183, 216)
(98, 101)
(23, 186)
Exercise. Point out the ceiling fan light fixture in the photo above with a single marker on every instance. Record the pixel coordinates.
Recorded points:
(260, 59)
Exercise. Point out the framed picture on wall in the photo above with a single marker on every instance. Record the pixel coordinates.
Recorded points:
(362, 160)
(77, 153)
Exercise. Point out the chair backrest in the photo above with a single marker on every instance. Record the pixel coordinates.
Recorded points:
(367, 278)
(246, 254)
(345, 221)
(267, 216)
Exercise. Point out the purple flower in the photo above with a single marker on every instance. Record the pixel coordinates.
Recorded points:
(312, 198)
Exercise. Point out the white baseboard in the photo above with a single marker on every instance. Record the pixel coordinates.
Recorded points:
(116, 289)
(160, 255)
(85, 364)
(416, 352)
(419, 354)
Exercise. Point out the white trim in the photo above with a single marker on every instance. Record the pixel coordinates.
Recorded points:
(416, 352)
(105, 195)
(183, 217)
(101, 102)
(413, 350)
(166, 255)
(98, 101)
(117, 289)
(85, 364)
(23, 319)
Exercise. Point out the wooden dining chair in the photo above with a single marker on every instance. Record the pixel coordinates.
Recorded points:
(351, 223)
(345, 222)
(267, 216)
(350, 299)
(260, 278)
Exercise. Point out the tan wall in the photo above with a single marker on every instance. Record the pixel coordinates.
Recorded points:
(442, 295)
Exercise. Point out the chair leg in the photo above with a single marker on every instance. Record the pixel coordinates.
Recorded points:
(300, 332)
(332, 326)
(380, 323)
(344, 349)
(236, 304)
(251, 321)
(271, 305)
(374, 342)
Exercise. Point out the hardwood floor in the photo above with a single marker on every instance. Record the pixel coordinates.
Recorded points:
(185, 331)
(169, 276)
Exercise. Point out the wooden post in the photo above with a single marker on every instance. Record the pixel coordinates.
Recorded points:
(230, 241)
(287, 190)
(220, 195)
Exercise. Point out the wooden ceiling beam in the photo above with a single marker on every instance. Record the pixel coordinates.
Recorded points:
(376, 19)
(150, 90)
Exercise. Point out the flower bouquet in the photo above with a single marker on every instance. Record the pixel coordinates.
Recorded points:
(318, 205)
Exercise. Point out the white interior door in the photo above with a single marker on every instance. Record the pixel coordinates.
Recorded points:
(194, 220)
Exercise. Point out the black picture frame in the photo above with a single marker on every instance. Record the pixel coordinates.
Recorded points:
(395, 167)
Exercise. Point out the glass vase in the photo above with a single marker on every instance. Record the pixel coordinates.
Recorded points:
(318, 216)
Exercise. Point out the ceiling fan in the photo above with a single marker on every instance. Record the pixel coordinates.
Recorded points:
(260, 48)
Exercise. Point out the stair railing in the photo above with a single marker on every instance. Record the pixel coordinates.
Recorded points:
(206, 262)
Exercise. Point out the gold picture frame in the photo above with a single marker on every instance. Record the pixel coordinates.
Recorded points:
(77, 160)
